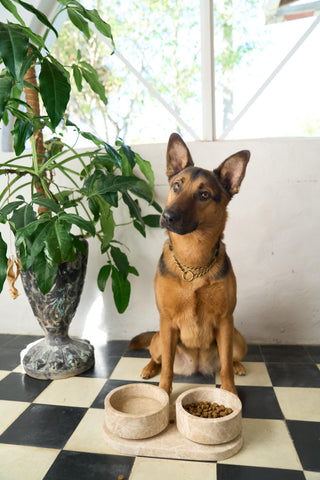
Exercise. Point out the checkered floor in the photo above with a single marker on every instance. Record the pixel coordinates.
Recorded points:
(52, 430)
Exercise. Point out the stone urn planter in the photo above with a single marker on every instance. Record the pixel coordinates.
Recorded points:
(57, 355)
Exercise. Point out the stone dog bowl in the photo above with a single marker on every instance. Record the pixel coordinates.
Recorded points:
(210, 431)
(136, 410)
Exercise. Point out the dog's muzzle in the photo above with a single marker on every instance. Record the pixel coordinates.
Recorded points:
(175, 222)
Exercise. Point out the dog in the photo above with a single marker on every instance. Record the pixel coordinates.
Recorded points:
(195, 286)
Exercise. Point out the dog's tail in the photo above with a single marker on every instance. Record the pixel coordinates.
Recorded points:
(141, 341)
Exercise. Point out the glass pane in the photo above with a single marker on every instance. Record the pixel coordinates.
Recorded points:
(161, 41)
(247, 54)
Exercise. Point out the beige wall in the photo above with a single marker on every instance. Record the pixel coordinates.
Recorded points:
(272, 237)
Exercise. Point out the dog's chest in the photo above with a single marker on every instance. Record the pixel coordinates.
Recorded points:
(199, 316)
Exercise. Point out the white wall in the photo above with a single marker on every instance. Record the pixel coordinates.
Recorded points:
(272, 238)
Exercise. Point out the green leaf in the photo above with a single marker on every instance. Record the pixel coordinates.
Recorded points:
(99, 183)
(127, 159)
(91, 77)
(54, 90)
(121, 261)
(59, 243)
(113, 154)
(25, 258)
(94, 207)
(13, 50)
(38, 239)
(65, 241)
(121, 290)
(140, 228)
(103, 276)
(12, 9)
(100, 24)
(9, 208)
(25, 232)
(79, 22)
(23, 129)
(146, 169)
(107, 225)
(74, 219)
(52, 246)
(34, 39)
(3, 262)
(133, 270)
(93, 138)
(47, 203)
(156, 206)
(152, 220)
(40, 16)
(44, 272)
(5, 91)
(23, 216)
(77, 77)
(80, 245)
(133, 206)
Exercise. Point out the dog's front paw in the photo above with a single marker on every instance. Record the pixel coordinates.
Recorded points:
(150, 370)
(238, 368)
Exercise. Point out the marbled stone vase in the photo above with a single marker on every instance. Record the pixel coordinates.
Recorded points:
(57, 355)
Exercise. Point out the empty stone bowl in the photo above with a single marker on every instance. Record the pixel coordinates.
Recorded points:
(210, 431)
(136, 410)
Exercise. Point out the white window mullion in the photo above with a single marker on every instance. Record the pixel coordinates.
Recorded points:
(207, 70)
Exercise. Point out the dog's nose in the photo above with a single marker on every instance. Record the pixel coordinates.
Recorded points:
(169, 218)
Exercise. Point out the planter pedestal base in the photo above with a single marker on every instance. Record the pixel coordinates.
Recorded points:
(62, 358)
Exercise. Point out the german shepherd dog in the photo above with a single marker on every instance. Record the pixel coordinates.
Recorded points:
(195, 286)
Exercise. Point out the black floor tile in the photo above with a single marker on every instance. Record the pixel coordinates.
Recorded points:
(47, 426)
(9, 358)
(141, 353)
(285, 353)
(314, 352)
(306, 439)
(254, 354)
(103, 366)
(113, 348)
(21, 341)
(89, 466)
(259, 402)
(294, 375)
(5, 338)
(111, 385)
(237, 472)
(21, 388)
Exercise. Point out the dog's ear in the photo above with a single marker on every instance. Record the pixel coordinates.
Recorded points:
(178, 155)
(232, 171)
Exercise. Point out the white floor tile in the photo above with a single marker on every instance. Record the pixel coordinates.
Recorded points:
(299, 403)
(89, 436)
(257, 375)
(267, 443)
(73, 392)
(10, 411)
(27, 463)
(159, 469)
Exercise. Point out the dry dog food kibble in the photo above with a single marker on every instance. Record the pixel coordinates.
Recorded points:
(207, 410)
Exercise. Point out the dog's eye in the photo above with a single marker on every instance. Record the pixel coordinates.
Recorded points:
(176, 187)
(203, 196)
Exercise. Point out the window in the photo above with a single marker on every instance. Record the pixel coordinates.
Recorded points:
(209, 69)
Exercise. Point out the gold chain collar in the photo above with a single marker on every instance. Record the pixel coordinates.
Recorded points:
(190, 273)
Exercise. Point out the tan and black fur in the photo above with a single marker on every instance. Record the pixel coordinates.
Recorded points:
(196, 312)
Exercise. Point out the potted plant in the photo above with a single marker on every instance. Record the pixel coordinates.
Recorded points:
(55, 197)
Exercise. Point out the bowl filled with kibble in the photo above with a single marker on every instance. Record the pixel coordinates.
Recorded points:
(209, 415)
